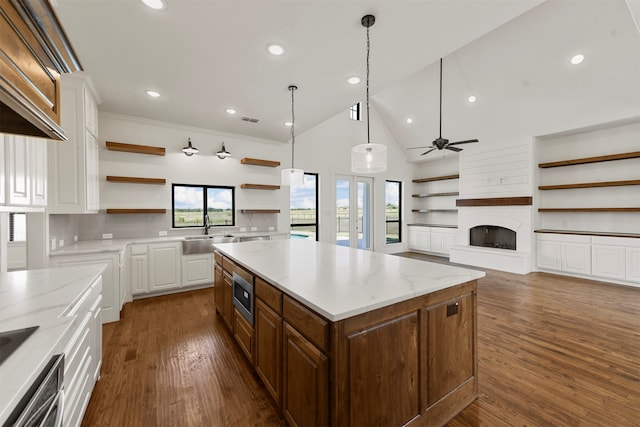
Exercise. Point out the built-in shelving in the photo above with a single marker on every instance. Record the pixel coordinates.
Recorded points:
(589, 233)
(259, 187)
(585, 160)
(136, 211)
(133, 148)
(260, 162)
(435, 178)
(433, 210)
(589, 209)
(590, 185)
(136, 180)
(259, 211)
(420, 196)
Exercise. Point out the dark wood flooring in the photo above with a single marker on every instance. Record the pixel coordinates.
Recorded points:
(553, 351)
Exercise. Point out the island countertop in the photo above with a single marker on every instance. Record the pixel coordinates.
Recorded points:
(339, 282)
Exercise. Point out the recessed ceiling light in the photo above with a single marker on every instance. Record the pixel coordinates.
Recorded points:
(152, 93)
(353, 80)
(287, 124)
(409, 120)
(472, 99)
(231, 111)
(275, 49)
(576, 59)
(155, 4)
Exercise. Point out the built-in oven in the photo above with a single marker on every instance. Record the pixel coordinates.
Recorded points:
(43, 404)
(243, 296)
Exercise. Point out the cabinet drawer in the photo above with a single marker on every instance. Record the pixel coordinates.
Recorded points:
(309, 324)
(271, 296)
(227, 264)
(244, 273)
(217, 257)
(243, 333)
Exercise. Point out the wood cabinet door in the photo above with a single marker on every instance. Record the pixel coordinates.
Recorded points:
(268, 350)
(305, 397)
(227, 300)
(243, 333)
(451, 347)
(218, 290)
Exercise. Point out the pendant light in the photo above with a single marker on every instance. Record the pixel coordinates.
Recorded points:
(292, 176)
(190, 150)
(368, 158)
(223, 153)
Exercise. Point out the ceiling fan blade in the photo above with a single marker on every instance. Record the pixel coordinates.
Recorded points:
(468, 141)
(415, 148)
(427, 152)
(456, 149)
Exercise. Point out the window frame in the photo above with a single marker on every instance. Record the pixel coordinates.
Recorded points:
(399, 220)
(316, 223)
(355, 112)
(205, 207)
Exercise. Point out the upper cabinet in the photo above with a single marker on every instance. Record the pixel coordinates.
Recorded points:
(34, 53)
(73, 184)
(23, 171)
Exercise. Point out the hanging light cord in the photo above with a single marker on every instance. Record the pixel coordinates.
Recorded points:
(368, 50)
(293, 121)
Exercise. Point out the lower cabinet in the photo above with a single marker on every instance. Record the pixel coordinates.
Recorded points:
(227, 299)
(632, 264)
(436, 240)
(139, 269)
(164, 266)
(196, 269)
(243, 333)
(268, 349)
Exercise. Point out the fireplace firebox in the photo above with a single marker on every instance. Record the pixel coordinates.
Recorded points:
(492, 236)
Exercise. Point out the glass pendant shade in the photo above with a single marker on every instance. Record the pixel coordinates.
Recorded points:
(190, 150)
(369, 158)
(292, 177)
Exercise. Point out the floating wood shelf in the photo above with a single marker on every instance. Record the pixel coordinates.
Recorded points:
(259, 187)
(260, 162)
(433, 210)
(435, 194)
(260, 211)
(132, 148)
(589, 233)
(496, 201)
(589, 210)
(136, 211)
(436, 178)
(590, 185)
(586, 160)
(136, 180)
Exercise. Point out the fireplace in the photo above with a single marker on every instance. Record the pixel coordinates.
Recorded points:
(492, 236)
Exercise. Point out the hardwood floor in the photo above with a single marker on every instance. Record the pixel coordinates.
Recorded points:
(552, 350)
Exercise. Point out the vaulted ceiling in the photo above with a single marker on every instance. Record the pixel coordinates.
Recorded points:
(209, 55)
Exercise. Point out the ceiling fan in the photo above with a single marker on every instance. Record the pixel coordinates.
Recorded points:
(441, 143)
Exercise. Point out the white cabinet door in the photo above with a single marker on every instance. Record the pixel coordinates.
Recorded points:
(90, 112)
(437, 241)
(413, 237)
(139, 267)
(17, 170)
(632, 265)
(38, 171)
(450, 239)
(164, 266)
(576, 258)
(197, 269)
(92, 173)
(608, 261)
(549, 255)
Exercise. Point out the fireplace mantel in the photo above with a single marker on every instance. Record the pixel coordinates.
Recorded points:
(496, 201)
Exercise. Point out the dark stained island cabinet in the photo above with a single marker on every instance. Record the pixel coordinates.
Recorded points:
(327, 361)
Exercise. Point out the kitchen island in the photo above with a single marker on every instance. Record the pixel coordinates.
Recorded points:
(346, 337)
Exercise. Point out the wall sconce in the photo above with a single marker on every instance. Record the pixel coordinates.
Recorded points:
(190, 150)
(223, 153)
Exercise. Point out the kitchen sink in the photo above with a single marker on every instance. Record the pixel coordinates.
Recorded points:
(204, 243)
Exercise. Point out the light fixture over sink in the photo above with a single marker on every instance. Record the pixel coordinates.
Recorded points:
(190, 150)
(223, 153)
(292, 176)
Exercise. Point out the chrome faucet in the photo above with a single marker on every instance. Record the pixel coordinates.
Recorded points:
(206, 224)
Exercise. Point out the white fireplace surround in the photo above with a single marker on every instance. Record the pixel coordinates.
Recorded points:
(516, 218)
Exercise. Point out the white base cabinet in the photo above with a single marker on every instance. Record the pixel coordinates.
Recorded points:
(164, 266)
(197, 269)
(435, 240)
(615, 258)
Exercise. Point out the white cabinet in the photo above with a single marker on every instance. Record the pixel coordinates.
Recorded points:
(608, 261)
(164, 266)
(197, 269)
(632, 264)
(110, 278)
(436, 240)
(549, 254)
(139, 267)
(24, 171)
(73, 184)
(576, 257)
(563, 252)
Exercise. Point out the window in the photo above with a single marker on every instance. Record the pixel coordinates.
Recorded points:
(393, 211)
(190, 204)
(354, 111)
(17, 227)
(304, 208)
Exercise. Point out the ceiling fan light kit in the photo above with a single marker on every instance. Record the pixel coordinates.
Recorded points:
(441, 143)
(368, 158)
(292, 176)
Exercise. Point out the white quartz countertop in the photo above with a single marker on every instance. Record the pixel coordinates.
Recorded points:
(37, 298)
(339, 282)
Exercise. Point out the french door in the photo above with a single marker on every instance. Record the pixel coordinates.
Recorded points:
(354, 220)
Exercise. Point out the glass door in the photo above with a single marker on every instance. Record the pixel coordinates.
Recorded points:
(354, 221)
